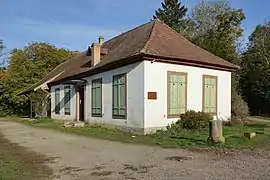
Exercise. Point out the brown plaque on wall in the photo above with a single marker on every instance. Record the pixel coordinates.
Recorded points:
(152, 95)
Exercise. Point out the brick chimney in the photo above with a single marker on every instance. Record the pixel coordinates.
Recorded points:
(101, 40)
(95, 54)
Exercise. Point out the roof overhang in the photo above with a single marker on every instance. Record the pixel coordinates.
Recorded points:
(44, 86)
(99, 69)
(76, 82)
(193, 63)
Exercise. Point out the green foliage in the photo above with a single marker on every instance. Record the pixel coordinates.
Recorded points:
(27, 66)
(255, 80)
(218, 30)
(171, 13)
(240, 110)
(195, 120)
(40, 99)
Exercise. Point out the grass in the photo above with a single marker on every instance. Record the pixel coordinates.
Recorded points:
(18, 163)
(262, 117)
(182, 138)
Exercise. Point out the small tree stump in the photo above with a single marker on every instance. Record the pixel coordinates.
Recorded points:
(250, 135)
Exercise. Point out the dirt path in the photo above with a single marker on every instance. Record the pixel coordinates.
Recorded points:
(76, 157)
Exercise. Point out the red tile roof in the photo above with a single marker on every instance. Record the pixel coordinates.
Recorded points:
(154, 39)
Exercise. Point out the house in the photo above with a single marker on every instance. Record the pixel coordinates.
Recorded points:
(141, 80)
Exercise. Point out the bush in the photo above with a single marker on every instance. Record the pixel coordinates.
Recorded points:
(240, 110)
(195, 120)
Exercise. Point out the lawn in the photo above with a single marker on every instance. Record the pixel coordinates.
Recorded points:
(18, 163)
(182, 138)
(261, 117)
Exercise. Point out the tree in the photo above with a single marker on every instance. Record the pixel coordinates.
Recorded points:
(217, 28)
(255, 80)
(171, 13)
(2, 67)
(27, 66)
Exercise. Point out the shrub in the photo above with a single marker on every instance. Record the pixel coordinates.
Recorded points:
(233, 121)
(240, 110)
(195, 120)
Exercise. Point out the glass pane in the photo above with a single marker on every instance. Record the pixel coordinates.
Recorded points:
(115, 80)
(93, 98)
(122, 112)
(57, 101)
(115, 112)
(98, 97)
(122, 79)
(115, 97)
(122, 95)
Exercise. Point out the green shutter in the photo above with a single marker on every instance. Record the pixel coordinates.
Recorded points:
(177, 93)
(115, 96)
(67, 100)
(57, 101)
(210, 94)
(119, 96)
(97, 97)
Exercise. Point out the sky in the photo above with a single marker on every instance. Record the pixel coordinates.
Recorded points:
(76, 24)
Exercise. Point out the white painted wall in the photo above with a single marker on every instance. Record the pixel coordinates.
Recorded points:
(155, 80)
(135, 97)
(144, 77)
(62, 115)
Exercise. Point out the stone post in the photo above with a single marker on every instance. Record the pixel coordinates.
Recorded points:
(216, 132)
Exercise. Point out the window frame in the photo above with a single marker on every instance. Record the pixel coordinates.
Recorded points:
(203, 93)
(169, 73)
(56, 106)
(101, 98)
(65, 112)
(119, 116)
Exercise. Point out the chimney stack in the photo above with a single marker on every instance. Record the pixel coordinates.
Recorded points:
(101, 40)
(95, 54)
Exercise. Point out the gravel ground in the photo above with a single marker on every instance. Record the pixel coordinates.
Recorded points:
(84, 158)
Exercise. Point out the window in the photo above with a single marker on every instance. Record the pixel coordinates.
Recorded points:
(97, 97)
(57, 101)
(177, 94)
(119, 96)
(67, 100)
(210, 94)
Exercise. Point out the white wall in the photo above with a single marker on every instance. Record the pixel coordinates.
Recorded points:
(62, 115)
(155, 80)
(135, 96)
(144, 77)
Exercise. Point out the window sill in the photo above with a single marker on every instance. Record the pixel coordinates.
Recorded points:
(174, 116)
(96, 115)
(119, 117)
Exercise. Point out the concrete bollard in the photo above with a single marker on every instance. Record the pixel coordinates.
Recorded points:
(216, 132)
